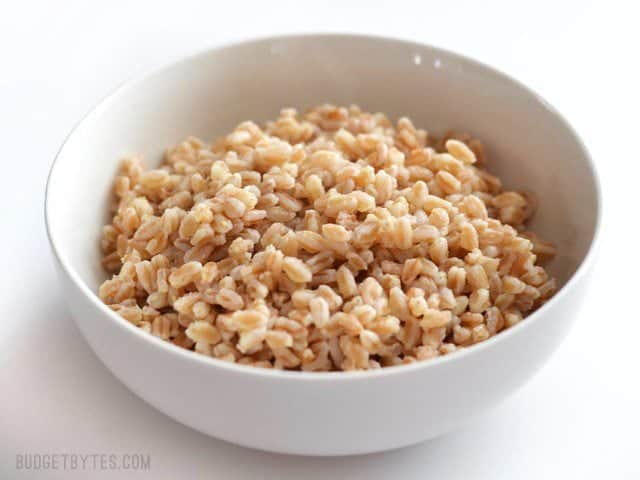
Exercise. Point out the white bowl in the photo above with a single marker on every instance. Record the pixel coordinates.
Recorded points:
(530, 146)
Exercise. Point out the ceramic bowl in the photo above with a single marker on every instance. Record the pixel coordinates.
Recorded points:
(530, 146)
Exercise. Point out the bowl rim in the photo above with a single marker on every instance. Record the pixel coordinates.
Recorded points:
(295, 375)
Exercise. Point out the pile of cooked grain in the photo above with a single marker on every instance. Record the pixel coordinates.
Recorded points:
(328, 241)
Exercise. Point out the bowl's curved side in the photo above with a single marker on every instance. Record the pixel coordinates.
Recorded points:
(327, 416)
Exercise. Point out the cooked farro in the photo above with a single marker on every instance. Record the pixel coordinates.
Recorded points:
(327, 241)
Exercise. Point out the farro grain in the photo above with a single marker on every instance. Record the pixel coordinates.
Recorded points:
(325, 241)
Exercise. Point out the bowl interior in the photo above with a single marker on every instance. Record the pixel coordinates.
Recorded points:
(529, 146)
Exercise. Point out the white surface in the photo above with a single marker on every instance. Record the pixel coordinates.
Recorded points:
(314, 413)
(579, 415)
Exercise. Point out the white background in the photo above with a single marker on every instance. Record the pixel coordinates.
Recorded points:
(578, 418)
